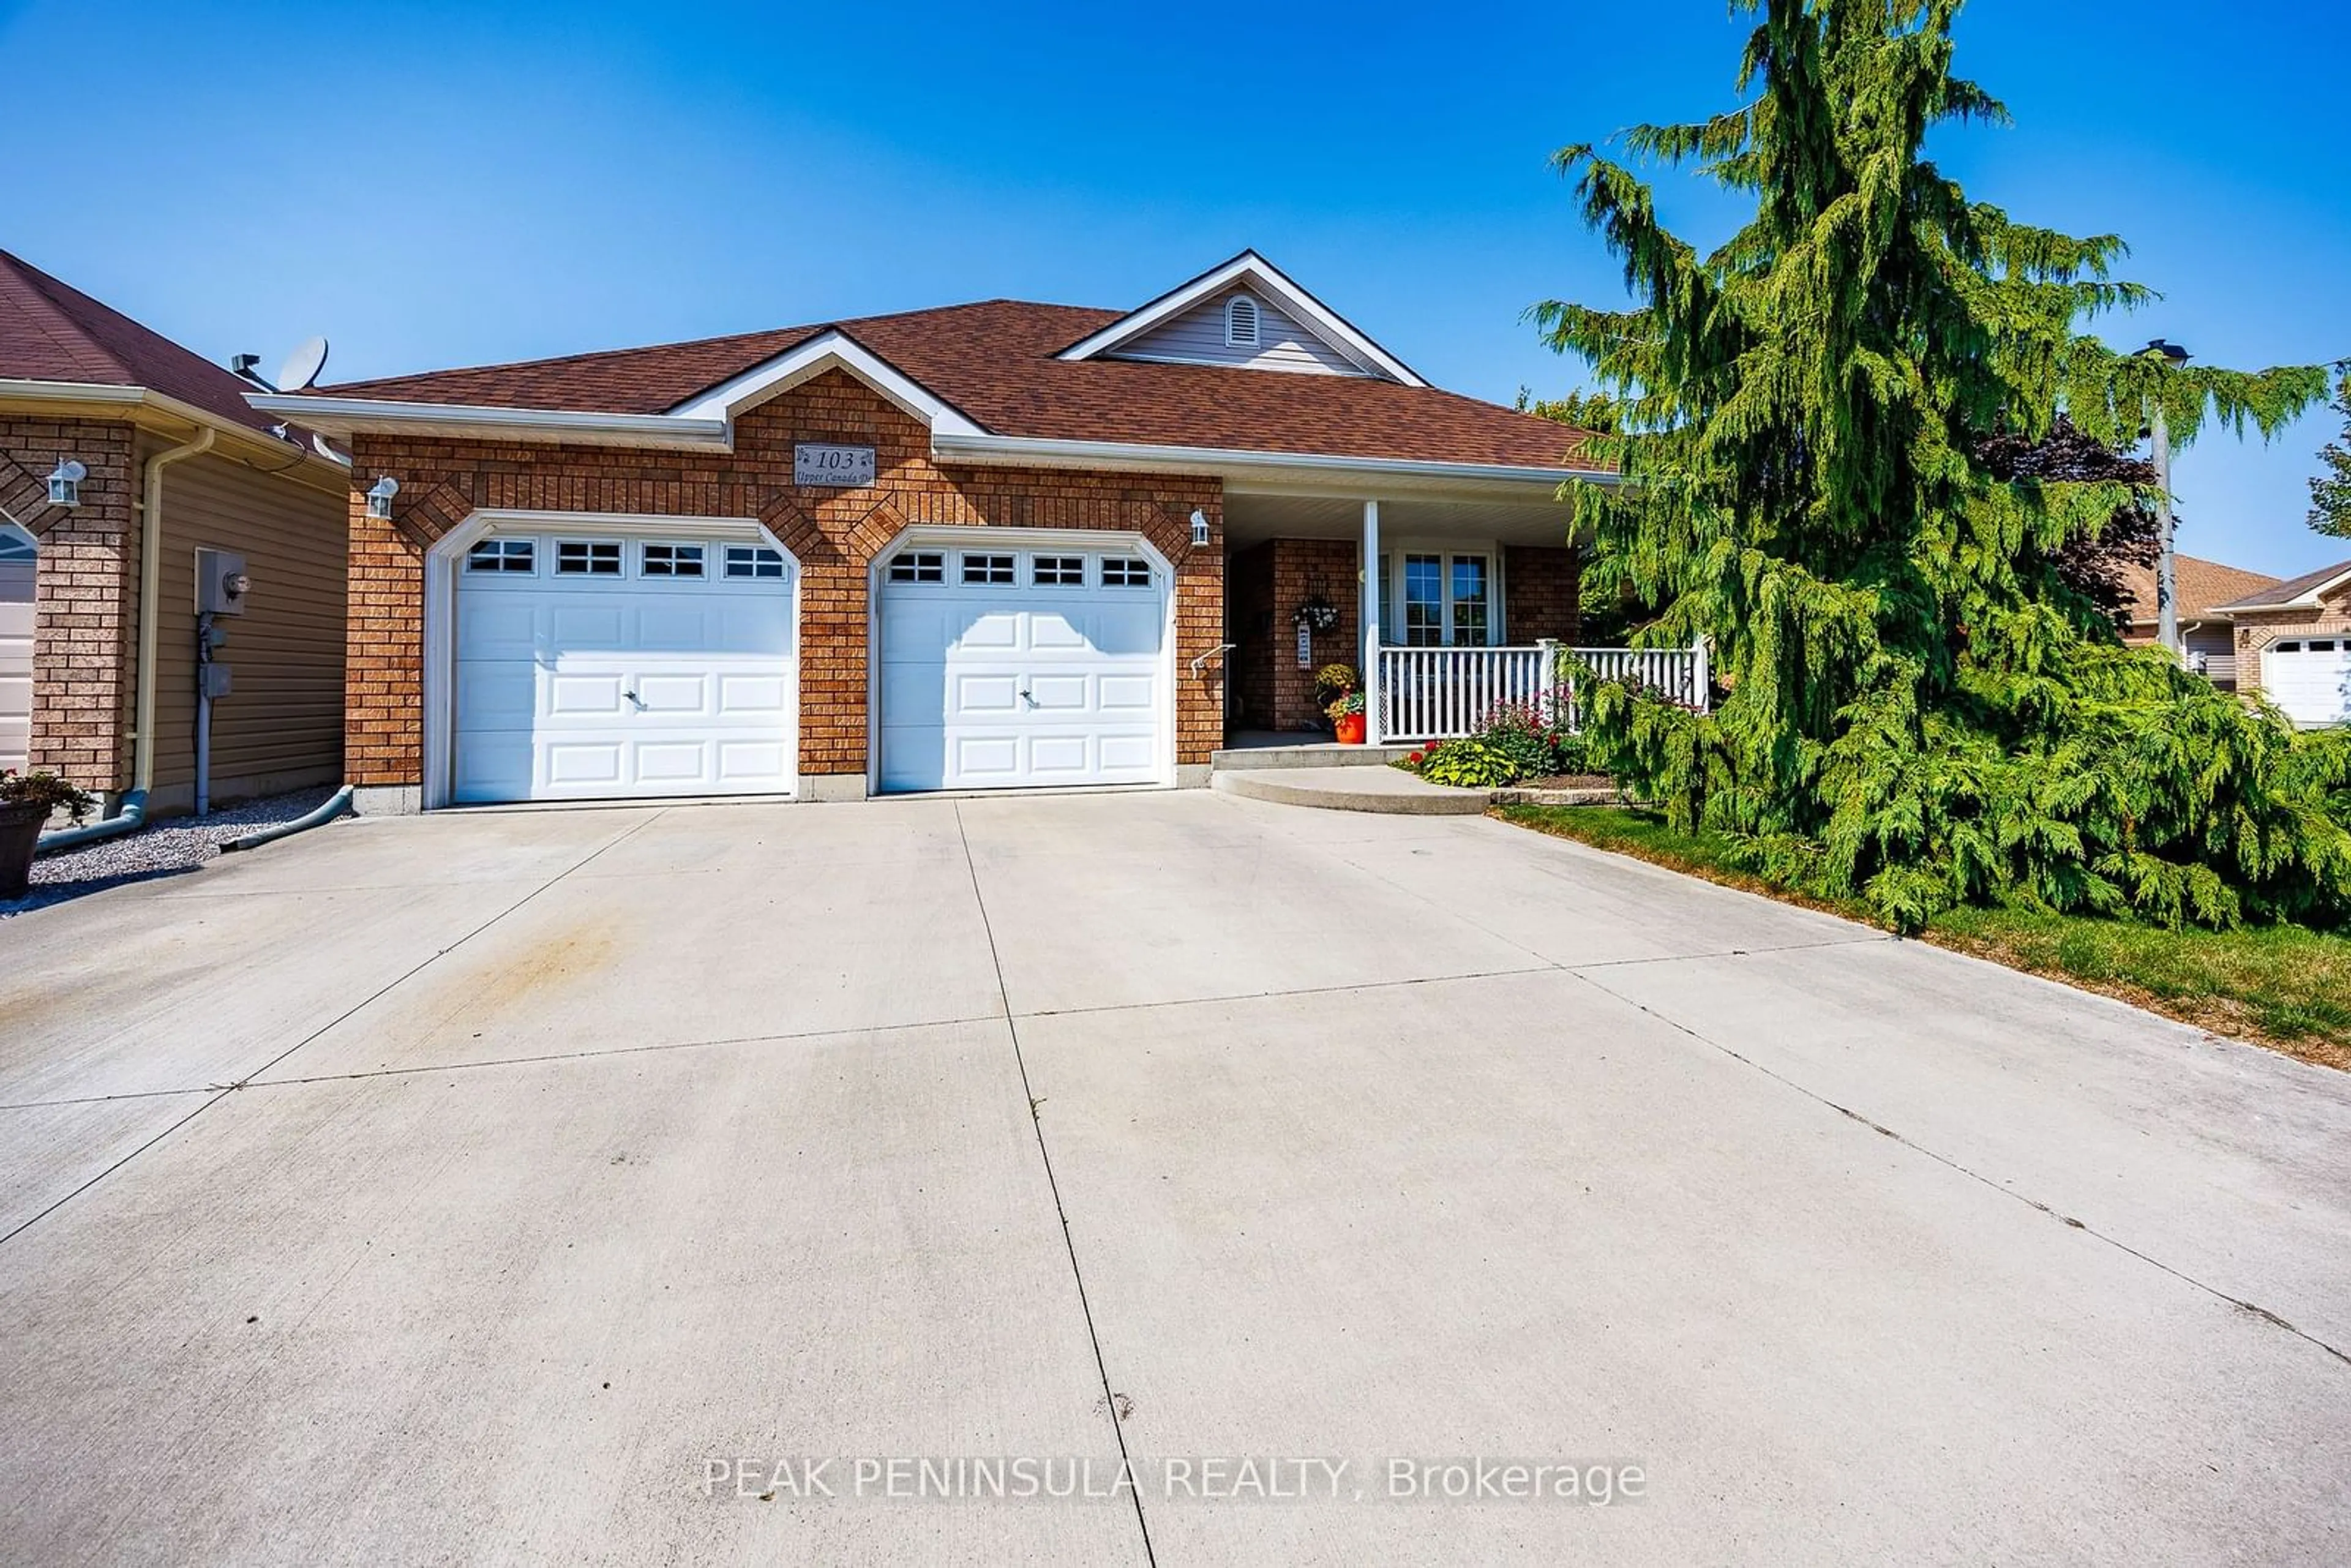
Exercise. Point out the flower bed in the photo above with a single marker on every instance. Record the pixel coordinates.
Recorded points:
(1514, 744)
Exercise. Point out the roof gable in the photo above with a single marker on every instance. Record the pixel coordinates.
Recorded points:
(1270, 339)
(2305, 591)
(1173, 327)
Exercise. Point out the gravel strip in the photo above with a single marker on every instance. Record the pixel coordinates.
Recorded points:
(172, 846)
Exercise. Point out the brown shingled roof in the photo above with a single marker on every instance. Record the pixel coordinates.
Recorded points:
(50, 331)
(994, 362)
(2293, 588)
(2202, 585)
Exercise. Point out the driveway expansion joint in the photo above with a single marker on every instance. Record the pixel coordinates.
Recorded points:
(1111, 1399)
(1948, 1163)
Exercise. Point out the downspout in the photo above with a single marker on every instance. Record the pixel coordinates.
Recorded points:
(133, 812)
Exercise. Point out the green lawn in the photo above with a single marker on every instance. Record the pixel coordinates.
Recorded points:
(2279, 986)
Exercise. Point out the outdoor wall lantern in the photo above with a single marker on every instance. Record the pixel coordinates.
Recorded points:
(1200, 529)
(64, 483)
(379, 495)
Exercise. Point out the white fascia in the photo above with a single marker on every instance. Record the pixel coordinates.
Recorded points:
(1267, 279)
(343, 415)
(1266, 471)
(829, 351)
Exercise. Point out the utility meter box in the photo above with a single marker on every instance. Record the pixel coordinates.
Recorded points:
(212, 681)
(221, 582)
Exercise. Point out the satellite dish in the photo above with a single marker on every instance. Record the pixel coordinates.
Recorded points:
(303, 365)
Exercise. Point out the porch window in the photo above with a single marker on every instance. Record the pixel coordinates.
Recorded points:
(1447, 600)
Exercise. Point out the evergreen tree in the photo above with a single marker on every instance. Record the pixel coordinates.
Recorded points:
(2330, 493)
(1920, 707)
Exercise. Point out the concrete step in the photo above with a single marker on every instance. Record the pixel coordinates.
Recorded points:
(1387, 789)
(1307, 754)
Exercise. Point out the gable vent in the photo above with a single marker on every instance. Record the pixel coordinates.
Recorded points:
(1240, 322)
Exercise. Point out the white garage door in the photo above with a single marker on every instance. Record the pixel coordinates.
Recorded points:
(1003, 667)
(603, 668)
(17, 563)
(2310, 678)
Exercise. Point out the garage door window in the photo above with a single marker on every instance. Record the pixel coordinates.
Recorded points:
(988, 568)
(919, 566)
(1061, 570)
(587, 557)
(673, 561)
(1125, 571)
(753, 560)
(504, 555)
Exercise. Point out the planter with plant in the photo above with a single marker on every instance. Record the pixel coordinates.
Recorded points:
(1347, 720)
(27, 802)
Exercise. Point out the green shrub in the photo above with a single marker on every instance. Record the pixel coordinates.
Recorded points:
(1466, 765)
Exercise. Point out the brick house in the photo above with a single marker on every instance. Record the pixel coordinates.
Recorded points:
(2206, 634)
(2293, 644)
(99, 622)
(997, 545)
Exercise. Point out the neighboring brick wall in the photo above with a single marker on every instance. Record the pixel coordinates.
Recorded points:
(835, 533)
(1540, 584)
(85, 594)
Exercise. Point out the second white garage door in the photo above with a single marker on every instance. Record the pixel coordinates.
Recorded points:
(1008, 668)
(603, 668)
(2310, 678)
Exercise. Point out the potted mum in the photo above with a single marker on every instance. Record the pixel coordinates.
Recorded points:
(26, 802)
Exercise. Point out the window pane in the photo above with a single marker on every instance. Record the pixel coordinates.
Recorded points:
(753, 560)
(1061, 570)
(988, 568)
(1469, 618)
(1424, 601)
(593, 556)
(501, 555)
(919, 566)
(1125, 571)
(673, 561)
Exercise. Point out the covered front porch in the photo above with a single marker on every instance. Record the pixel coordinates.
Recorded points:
(1472, 603)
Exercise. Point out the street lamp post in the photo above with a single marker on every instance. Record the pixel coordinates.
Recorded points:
(2167, 597)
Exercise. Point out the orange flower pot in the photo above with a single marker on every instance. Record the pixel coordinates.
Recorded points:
(1350, 726)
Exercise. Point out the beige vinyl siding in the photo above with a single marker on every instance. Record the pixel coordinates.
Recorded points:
(1197, 336)
(282, 726)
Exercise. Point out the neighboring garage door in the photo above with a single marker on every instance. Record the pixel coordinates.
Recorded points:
(605, 668)
(17, 573)
(1003, 667)
(2310, 678)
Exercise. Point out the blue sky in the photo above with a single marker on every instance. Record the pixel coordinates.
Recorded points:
(434, 184)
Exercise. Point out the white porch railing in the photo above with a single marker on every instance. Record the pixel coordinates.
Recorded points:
(1438, 693)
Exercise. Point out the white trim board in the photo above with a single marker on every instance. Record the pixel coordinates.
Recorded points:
(831, 349)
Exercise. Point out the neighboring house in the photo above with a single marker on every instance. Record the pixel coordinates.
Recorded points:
(2207, 636)
(97, 613)
(997, 545)
(2293, 644)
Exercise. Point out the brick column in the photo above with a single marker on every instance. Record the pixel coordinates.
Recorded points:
(86, 593)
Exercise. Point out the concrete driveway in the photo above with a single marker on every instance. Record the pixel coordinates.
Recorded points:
(547, 1185)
